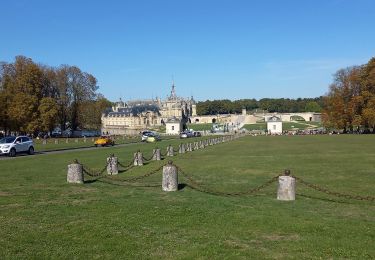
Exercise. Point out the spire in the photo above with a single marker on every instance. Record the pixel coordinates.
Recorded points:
(173, 91)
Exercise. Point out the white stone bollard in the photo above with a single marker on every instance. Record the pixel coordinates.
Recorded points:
(181, 148)
(156, 154)
(75, 173)
(138, 159)
(112, 165)
(170, 177)
(189, 147)
(287, 187)
(170, 151)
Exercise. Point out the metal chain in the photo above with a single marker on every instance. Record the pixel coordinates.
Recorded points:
(92, 173)
(126, 166)
(150, 158)
(333, 193)
(136, 178)
(197, 186)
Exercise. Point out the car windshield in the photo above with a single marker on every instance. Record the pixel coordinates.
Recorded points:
(7, 140)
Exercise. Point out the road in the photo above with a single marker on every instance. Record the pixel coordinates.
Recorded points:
(68, 150)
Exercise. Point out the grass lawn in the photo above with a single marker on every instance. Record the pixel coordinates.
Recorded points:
(286, 125)
(66, 143)
(44, 217)
(200, 127)
(257, 126)
(79, 142)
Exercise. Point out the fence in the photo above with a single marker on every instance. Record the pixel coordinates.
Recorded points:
(286, 182)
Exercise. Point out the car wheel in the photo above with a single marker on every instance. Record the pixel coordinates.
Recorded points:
(31, 150)
(12, 152)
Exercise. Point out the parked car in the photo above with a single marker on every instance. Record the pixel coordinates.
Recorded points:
(146, 134)
(104, 140)
(153, 137)
(12, 145)
(186, 134)
(197, 134)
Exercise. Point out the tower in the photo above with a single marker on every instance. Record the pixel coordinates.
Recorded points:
(173, 92)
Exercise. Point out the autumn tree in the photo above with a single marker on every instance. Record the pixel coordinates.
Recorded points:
(350, 102)
(36, 97)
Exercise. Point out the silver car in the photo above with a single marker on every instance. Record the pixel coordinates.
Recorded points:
(12, 145)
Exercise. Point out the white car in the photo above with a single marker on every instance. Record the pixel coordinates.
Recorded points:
(12, 145)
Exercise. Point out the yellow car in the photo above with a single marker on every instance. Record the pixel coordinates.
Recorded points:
(104, 140)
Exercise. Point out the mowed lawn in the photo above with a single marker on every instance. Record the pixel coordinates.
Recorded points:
(41, 216)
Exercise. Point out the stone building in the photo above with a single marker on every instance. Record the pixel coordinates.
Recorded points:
(173, 126)
(129, 118)
(274, 125)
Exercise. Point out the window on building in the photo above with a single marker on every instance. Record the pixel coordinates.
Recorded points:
(172, 127)
(274, 127)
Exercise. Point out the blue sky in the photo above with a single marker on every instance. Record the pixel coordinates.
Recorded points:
(215, 49)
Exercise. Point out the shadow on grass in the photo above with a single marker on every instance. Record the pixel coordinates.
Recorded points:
(181, 186)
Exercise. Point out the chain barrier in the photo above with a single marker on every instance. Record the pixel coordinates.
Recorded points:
(91, 172)
(195, 185)
(150, 158)
(127, 165)
(333, 193)
(134, 179)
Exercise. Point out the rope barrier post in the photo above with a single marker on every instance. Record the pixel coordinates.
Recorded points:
(75, 173)
(56, 141)
(156, 154)
(287, 187)
(170, 151)
(181, 148)
(170, 177)
(112, 165)
(189, 147)
(196, 146)
(138, 158)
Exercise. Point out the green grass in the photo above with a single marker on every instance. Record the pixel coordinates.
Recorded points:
(44, 217)
(257, 126)
(200, 127)
(66, 143)
(286, 125)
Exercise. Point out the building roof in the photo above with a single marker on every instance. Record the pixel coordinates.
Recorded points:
(274, 119)
(173, 120)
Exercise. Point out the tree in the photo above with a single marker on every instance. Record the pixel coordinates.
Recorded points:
(312, 106)
(23, 88)
(350, 103)
(48, 114)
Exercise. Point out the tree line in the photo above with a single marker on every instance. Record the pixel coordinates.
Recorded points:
(37, 98)
(281, 105)
(350, 102)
